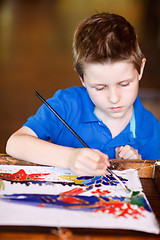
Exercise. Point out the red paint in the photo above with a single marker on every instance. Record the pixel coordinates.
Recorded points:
(132, 212)
(120, 209)
(100, 192)
(70, 199)
(74, 191)
(21, 175)
(41, 205)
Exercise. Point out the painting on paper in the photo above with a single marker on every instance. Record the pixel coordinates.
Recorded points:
(55, 197)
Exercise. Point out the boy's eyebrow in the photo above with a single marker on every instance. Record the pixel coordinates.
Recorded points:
(127, 80)
(105, 84)
(98, 84)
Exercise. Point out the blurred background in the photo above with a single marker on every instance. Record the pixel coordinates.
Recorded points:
(36, 52)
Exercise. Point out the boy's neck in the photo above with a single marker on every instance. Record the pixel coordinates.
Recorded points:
(115, 125)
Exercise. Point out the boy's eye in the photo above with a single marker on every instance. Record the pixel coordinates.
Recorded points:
(124, 84)
(99, 88)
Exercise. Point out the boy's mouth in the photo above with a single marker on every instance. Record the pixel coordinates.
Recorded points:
(116, 109)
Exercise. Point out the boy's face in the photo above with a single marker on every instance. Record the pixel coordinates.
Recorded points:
(112, 87)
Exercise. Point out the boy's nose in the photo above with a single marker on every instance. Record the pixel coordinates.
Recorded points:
(114, 96)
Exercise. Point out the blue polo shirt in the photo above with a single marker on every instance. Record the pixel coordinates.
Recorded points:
(76, 108)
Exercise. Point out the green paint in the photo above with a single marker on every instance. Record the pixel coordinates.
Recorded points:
(140, 201)
(137, 200)
(128, 190)
(135, 193)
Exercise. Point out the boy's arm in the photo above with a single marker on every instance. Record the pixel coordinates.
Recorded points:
(24, 144)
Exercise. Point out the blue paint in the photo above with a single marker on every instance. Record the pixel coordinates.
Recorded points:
(78, 202)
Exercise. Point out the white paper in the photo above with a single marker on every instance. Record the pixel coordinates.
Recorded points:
(55, 197)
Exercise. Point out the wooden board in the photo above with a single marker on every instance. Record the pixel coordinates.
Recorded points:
(146, 168)
(157, 177)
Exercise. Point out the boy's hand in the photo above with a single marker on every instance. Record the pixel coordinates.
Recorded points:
(88, 162)
(127, 152)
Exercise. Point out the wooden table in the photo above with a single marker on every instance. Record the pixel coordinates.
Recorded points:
(150, 179)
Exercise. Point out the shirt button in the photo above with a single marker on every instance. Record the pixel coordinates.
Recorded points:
(99, 123)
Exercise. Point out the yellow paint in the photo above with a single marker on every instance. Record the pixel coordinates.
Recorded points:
(1, 185)
(72, 178)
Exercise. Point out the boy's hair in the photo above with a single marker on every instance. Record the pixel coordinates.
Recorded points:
(105, 38)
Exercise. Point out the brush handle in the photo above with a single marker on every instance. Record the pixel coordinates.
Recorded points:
(62, 120)
(117, 178)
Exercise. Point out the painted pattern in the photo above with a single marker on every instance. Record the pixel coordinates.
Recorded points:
(39, 178)
(100, 196)
(117, 206)
(97, 181)
(21, 175)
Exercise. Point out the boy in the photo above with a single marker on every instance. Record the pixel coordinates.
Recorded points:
(106, 112)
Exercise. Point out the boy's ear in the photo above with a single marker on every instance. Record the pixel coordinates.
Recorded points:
(142, 68)
(82, 81)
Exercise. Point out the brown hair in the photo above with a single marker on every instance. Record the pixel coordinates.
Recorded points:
(105, 37)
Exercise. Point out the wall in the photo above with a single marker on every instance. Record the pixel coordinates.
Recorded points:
(36, 50)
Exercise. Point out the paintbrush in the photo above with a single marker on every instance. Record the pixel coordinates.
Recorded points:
(79, 138)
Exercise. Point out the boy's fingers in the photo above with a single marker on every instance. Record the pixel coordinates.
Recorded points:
(90, 162)
(133, 155)
(85, 171)
(93, 165)
(103, 157)
(117, 151)
(93, 162)
(123, 150)
(127, 152)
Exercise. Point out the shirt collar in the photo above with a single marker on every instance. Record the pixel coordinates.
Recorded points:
(87, 114)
